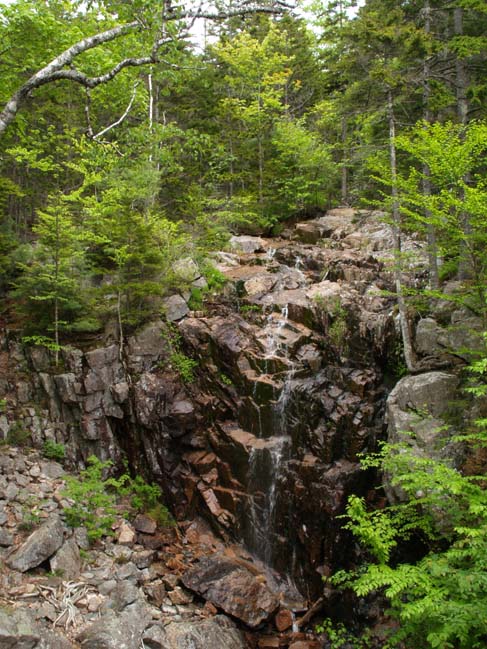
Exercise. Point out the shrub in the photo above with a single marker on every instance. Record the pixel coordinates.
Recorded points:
(95, 499)
(439, 600)
(54, 451)
(17, 435)
(94, 503)
(180, 362)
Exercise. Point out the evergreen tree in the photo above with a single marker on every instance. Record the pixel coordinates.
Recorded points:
(50, 285)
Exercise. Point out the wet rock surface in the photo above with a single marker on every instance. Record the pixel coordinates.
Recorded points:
(294, 363)
(288, 390)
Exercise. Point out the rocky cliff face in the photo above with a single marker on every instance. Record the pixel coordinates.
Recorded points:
(293, 363)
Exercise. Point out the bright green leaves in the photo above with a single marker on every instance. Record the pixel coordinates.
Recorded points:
(303, 171)
(441, 599)
(454, 156)
(276, 163)
(450, 150)
(375, 530)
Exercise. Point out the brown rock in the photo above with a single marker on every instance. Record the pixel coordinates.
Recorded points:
(170, 581)
(209, 610)
(156, 593)
(231, 587)
(175, 564)
(269, 643)
(179, 597)
(283, 619)
(145, 524)
(199, 532)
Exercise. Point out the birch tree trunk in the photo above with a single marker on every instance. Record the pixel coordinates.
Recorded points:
(55, 71)
(430, 229)
(409, 355)
(344, 174)
(461, 85)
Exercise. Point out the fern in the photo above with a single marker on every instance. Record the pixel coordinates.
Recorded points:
(442, 599)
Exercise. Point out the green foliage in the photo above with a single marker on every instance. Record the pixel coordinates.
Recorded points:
(48, 288)
(30, 520)
(41, 341)
(178, 360)
(335, 319)
(275, 165)
(195, 302)
(454, 209)
(143, 496)
(396, 364)
(303, 172)
(215, 281)
(146, 498)
(161, 515)
(338, 636)
(226, 380)
(53, 450)
(184, 366)
(250, 308)
(31, 515)
(440, 600)
(95, 498)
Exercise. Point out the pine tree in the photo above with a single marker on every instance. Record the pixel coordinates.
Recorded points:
(50, 285)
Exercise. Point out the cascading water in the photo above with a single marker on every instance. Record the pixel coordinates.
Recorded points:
(267, 459)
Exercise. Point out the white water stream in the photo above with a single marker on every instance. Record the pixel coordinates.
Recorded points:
(267, 464)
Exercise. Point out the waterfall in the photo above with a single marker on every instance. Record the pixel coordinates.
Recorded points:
(267, 463)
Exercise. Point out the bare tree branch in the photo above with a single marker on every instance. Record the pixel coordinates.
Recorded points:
(120, 119)
(58, 68)
(49, 72)
(92, 82)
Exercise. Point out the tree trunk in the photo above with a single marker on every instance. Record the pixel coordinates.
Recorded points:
(409, 355)
(56, 296)
(120, 325)
(260, 152)
(461, 85)
(461, 73)
(151, 195)
(344, 184)
(431, 232)
(261, 171)
(232, 171)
